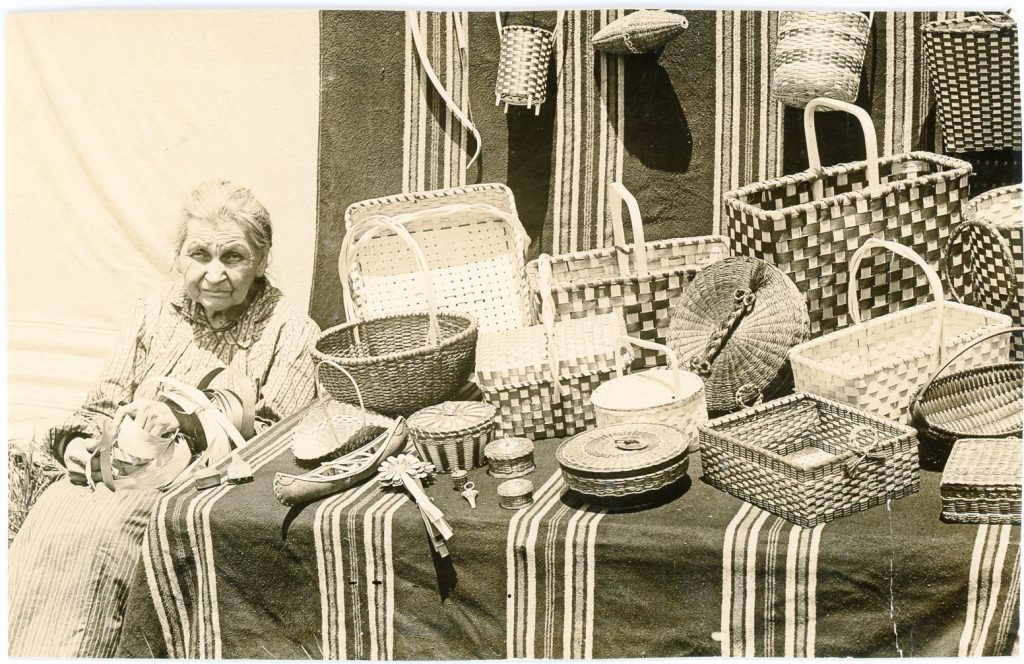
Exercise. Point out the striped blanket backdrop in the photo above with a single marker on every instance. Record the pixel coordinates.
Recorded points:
(232, 573)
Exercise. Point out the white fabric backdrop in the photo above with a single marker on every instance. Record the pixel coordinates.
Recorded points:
(111, 118)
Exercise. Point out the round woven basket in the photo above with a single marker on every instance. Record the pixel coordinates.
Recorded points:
(523, 64)
(819, 54)
(509, 457)
(515, 494)
(452, 435)
(733, 326)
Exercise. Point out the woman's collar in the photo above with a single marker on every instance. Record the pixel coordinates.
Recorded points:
(244, 330)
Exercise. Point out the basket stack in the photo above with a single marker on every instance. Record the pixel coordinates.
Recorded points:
(452, 435)
(981, 482)
(819, 54)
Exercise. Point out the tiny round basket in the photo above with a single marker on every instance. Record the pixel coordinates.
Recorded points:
(623, 460)
(452, 435)
(515, 494)
(509, 457)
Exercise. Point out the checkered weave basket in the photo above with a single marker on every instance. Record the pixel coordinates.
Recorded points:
(808, 459)
(880, 365)
(523, 64)
(811, 223)
(981, 482)
(475, 248)
(819, 54)
(984, 259)
(641, 281)
(975, 73)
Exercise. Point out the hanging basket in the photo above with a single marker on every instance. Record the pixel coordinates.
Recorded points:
(523, 64)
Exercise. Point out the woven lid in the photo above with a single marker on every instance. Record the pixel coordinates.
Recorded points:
(984, 462)
(622, 449)
(754, 313)
(504, 449)
(645, 389)
(452, 416)
(513, 488)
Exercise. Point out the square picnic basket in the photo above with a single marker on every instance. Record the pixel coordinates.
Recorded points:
(641, 281)
(808, 459)
(475, 248)
(981, 482)
(809, 224)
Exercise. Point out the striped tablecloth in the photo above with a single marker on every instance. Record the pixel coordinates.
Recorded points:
(229, 572)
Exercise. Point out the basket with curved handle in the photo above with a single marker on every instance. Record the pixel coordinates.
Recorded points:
(984, 226)
(938, 326)
(673, 361)
(355, 239)
(320, 389)
(870, 141)
(548, 320)
(618, 196)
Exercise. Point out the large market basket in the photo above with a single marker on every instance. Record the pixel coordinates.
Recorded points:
(880, 365)
(475, 248)
(641, 281)
(808, 459)
(984, 259)
(810, 224)
(402, 362)
(973, 65)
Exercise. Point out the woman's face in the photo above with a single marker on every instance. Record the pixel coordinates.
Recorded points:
(218, 264)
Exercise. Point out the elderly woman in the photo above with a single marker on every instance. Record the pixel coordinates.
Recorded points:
(71, 562)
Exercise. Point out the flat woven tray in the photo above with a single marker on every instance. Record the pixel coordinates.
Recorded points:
(982, 482)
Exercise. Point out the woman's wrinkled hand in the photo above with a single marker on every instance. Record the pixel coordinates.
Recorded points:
(156, 417)
(77, 455)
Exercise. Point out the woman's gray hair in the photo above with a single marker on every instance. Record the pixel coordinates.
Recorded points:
(223, 200)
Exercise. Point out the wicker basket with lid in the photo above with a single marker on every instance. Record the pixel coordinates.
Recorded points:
(509, 457)
(452, 435)
(623, 460)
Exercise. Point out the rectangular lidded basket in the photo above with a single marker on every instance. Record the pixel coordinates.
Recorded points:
(981, 482)
(513, 375)
(588, 283)
(812, 241)
(783, 456)
(476, 260)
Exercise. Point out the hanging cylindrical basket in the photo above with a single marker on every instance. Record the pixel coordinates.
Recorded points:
(523, 64)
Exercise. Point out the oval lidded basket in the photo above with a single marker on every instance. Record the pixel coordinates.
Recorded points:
(452, 435)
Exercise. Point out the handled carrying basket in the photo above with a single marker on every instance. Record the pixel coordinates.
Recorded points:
(811, 223)
(984, 260)
(974, 70)
(879, 366)
(402, 362)
(474, 246)
(808, 459)
(641, 281)
(819, 54)
(523, 64)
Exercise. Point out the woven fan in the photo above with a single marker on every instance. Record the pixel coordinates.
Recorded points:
(734, 326)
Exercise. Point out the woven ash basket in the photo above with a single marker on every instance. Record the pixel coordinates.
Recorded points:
(508, 458)
(982, 482)
(404, 362)
(880, 365)
(734, 326)
(819, 54)
(452, 435)
(984, 258)
(974, 68)
(523, 64)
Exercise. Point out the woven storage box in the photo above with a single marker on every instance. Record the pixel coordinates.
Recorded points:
(623, 460)
(981, 482)
(509, 457)
(403, 362)
(984, 260)
(659, 396)
(452, 435)
(474, 246)
(879, 366)
(734, 326)
(809, 460)
(811, 223)
(540, 377)
(523, 64)
(819, 54)
(641, 281)
(974, 71)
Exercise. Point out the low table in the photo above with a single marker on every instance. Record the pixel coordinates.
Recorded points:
(230, 572)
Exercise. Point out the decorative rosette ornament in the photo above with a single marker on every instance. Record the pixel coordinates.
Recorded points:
(407, 470)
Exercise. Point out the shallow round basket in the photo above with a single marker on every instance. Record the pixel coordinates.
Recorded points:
(397, 372)
(509, 457)
(452, 435)
(515, 494)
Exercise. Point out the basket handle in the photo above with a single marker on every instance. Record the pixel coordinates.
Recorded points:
(354, 240)
(1004, 245)
(1002, 23)
(320, 390)
(870, 141)
(412, 20)
(547, 314)
(914, 405)
(617, 196)
(935, 284)
(673, 360)
(559, 15)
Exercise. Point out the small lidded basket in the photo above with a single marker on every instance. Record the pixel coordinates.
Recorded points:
(523, 64)
(452, 435)
(515, 494)
(509, 457)
(623, 460)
